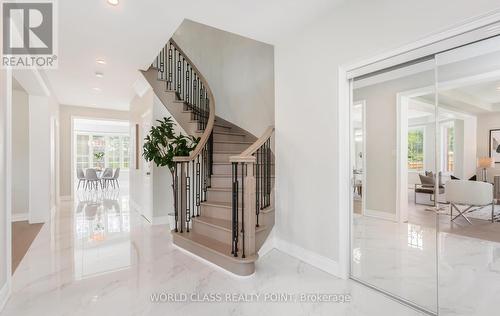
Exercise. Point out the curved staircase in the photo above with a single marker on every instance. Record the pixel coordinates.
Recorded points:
(224, 190)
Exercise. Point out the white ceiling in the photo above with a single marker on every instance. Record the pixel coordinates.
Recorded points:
(129, 36)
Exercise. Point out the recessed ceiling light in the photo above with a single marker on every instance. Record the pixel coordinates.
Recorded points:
(113, 2)
(100, 61)
(99, 74)
(97, 89)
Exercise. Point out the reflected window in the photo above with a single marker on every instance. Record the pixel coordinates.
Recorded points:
(415, 237)
(416, 148)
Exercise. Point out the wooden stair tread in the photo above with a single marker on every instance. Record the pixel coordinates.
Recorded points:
(218, 204)
(213, 245)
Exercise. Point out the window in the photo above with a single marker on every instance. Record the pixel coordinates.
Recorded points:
(82, 151)
(416, 148)
(448, 147)
(102, 151)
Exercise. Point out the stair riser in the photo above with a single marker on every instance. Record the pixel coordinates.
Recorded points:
(235, 267)
(229, 137)
(230, 146)
(221, 182)
(222, 128)
(214, 232)
(223, 157)
(222, 169)
(219, 196)
(216, 212)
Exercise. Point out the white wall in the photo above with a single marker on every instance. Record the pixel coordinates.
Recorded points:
(381, 137)
(150, 186)
(240, 72)
(307, 103)
(20, 155)
(5, 225)
(66, 112)
(39, 160)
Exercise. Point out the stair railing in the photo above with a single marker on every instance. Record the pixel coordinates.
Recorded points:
(252, 173)
(192, 174)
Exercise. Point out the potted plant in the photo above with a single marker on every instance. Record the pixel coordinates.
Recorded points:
(162, 144)
(99, 158)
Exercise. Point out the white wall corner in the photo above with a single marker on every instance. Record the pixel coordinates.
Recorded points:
(4, 294)
(160, 220)
(268, 245)
(19, 217)
(316, 260)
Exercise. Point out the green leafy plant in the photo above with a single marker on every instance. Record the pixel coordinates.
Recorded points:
(162, 144)
(99, 158)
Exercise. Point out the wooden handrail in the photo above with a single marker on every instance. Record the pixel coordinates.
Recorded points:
(247, 154)
(211, 115)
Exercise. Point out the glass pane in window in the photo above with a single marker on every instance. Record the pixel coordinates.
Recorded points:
(113, 152)
(416, 149)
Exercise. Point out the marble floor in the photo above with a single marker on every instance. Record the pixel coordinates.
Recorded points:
(410, 260)
(97, 257)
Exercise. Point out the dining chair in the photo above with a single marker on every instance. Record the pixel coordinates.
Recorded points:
(115, 178)
(80, 176)
(107, 176)
(91, 179)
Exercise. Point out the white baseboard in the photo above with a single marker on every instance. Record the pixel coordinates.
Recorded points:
(268, 245)
(381, 215)
(4, 294)
(18, 217)
(323, 263)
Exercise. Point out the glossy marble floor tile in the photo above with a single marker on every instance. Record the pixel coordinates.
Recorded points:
(402, 258)
(99, 258)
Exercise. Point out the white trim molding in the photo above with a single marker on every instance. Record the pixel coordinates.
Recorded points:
(382, 215)
(19, 217)
(323, 263)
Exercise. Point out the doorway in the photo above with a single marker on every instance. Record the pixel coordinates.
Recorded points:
(100, 145)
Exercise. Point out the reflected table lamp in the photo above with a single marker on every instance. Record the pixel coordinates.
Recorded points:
(485, 163)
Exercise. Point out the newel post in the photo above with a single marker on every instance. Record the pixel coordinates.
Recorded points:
(250, 211)
(183, 198)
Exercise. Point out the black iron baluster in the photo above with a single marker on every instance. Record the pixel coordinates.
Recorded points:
(198, 183)
(269, 172)
(235, 236)
(179, 80)
(195, 80)
(169, 82)
(242, 207)
(257, 180)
